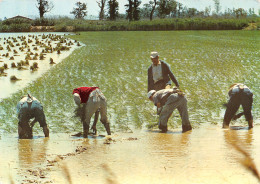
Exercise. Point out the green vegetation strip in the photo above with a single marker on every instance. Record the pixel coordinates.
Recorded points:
(205, 63)
(67, 24)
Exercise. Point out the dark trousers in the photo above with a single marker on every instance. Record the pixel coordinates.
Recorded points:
(241, 98)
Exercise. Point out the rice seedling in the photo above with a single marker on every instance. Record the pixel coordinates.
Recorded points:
(11, 58)
(2, 69)
(13, 65)
(35, 65)
(14, 78)
(5, 66)
(51, 61)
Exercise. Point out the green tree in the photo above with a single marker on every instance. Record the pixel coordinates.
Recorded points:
(129, 10)
(101, 5)
(217, 7)
(133, 10)
(153, 5)
(113, 9)
(166, 8)
(136, 10)
(80, 11)
(240, 13)
(145, 11)
(44, 6)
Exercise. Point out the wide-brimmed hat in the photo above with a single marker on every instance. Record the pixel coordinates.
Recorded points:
(150, 93)
(154, 55)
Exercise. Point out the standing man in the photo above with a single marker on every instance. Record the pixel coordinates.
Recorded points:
(27, 108)
(93, 101)
(159, 74)
(239, 94)
(168, 100)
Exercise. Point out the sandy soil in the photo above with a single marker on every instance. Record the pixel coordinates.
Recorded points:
(203, 155)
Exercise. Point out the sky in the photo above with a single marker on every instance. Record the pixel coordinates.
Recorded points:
(27, 8)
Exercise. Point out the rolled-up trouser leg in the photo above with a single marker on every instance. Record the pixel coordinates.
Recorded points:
(232, 107)
(94, 126)
(103, 113)
(91, 107)
(24, 129)
(46, 131)
(247, 102)
(183, 110)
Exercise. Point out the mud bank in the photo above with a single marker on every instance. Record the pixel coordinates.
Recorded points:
(203, 155)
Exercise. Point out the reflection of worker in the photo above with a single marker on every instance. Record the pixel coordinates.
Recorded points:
(32, 152)
(93, 100)
(168, 100)
(239, 94)
(159, 74)
(27, 108)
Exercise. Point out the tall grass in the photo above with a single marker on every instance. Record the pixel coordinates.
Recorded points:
(62, 24)
(205, 63)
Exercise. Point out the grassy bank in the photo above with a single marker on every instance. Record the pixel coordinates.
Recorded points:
(205, 63)
(67, 24)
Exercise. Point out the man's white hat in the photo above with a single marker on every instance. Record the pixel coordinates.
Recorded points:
(150, 93)
(154, 55)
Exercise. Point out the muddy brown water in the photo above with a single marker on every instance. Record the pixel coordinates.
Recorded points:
(202, 155)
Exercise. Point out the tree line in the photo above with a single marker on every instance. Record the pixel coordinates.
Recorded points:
(109, 10)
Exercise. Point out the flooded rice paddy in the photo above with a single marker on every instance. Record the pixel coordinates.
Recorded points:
(205, 64)
(203, 155)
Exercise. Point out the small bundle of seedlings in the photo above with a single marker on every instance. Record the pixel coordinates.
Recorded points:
(13, 65)
(35, 65)
(5, 66)
(28, 57)
(26, 62)
(14, 78)
(51, 61)
(41, 56)
(2, 73)
(11, 58)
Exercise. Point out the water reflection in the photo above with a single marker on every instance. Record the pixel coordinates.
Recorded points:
(172, 144)
(32, 151)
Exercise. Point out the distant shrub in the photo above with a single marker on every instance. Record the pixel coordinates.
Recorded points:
(43, 22)
(16, 21)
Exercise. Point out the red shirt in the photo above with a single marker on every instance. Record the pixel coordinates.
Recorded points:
(84, 92)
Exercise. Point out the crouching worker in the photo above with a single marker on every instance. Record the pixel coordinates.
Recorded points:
(167, 100)
(93, 101)
(239, 94)
(28, 108)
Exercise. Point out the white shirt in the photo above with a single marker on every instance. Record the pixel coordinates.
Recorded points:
(157, 72)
